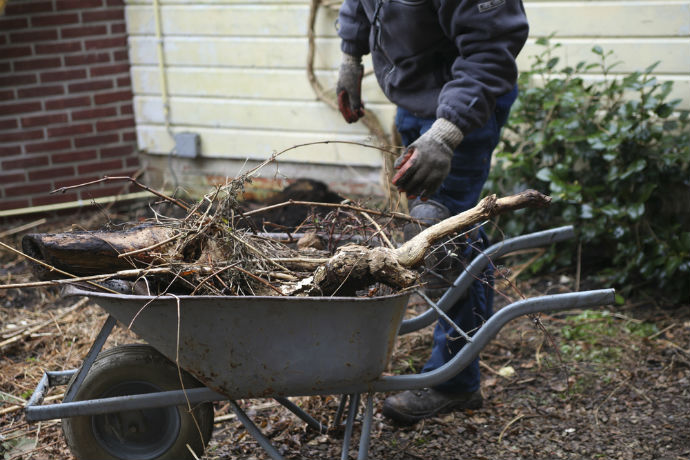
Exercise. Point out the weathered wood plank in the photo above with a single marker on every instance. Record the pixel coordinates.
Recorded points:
(273, 52)
(251, 114)
(260, 144)
(242, 83)
(249, 20)
(291, 53)
(632, 54)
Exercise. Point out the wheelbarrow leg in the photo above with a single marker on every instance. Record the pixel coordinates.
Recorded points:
(365, 436)
(352, 412)
(255, 432)
(91, 357)
(341, 409)
(308, 419)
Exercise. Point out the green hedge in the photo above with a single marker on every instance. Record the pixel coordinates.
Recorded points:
(614, 155)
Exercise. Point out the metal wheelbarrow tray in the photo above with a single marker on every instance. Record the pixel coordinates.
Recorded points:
(258, 347)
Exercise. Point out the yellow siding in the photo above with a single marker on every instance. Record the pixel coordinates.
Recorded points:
(235, 70)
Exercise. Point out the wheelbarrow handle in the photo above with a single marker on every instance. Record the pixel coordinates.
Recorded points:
(489, 330)
(478, 264)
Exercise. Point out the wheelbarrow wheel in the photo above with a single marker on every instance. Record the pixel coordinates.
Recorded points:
(158, 433)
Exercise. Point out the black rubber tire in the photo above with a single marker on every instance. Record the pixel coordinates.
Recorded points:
(150, 434)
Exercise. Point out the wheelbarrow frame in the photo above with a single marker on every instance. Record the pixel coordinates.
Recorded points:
(351, 391)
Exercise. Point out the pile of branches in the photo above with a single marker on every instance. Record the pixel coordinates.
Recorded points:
(219, 248)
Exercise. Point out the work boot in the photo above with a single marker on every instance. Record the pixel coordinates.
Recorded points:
(443, 263)
(411, 406)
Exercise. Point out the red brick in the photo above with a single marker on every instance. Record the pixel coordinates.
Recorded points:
(13, 204)
(83, 155)
(83, 31)
(124, 82)
(24, 163)
(10, 123)
(5, 67)
(27, 189)
(67, 102)
(118, 28)
(115, 2)
(120, 55)
(12, 178)
(101, 43)
(119, 151)
(7, 95)
(110, 125)
(103, 15)
(23, 135)
(90, 86)
(40, 91)
(61, 75)
(94, 113)
(109, 69)
(78, 4)
(3, 39)
(126, 109)
(103, 167)
(10, 23)
(18, 80)
(84, 59)
(54, 20)
(70, 130)
(22, 107)
(41, 63)
(48, 146)
(42, 120)
(58, 48)
(50, 173)
(132, 162)
(15, 52)
(22, 7)
(129, 136)
(34, 36)
(107, 98)
(96, 140)
(10, 150)
(54, 198)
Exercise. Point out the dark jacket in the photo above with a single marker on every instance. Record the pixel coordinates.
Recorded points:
(439, 58)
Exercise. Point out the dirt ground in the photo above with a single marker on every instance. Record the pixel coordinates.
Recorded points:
(613, 382)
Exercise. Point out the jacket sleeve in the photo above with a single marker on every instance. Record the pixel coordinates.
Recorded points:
(488, 34)
(353, 28)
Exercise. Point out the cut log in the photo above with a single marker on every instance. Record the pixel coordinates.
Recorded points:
(90, 253)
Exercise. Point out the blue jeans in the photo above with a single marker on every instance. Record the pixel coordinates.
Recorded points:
(460, 191)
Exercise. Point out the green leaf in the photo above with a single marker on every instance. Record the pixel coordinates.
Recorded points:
(636, 211)
(544, 174)
(598, 50)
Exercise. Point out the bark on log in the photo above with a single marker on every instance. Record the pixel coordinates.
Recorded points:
(355, 267)
(92, 253)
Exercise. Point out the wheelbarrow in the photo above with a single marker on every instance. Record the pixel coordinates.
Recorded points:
(154, 401)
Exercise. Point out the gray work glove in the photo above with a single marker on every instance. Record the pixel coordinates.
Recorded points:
(426, 162)
(349, 88)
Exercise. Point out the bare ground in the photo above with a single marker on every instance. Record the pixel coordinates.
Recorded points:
(618, 387)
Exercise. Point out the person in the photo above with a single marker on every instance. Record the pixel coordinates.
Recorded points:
(449, 67)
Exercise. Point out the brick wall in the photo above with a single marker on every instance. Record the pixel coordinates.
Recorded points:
(65, 100)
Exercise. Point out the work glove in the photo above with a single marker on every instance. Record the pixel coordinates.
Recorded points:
(349, 88)
(426, 162)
